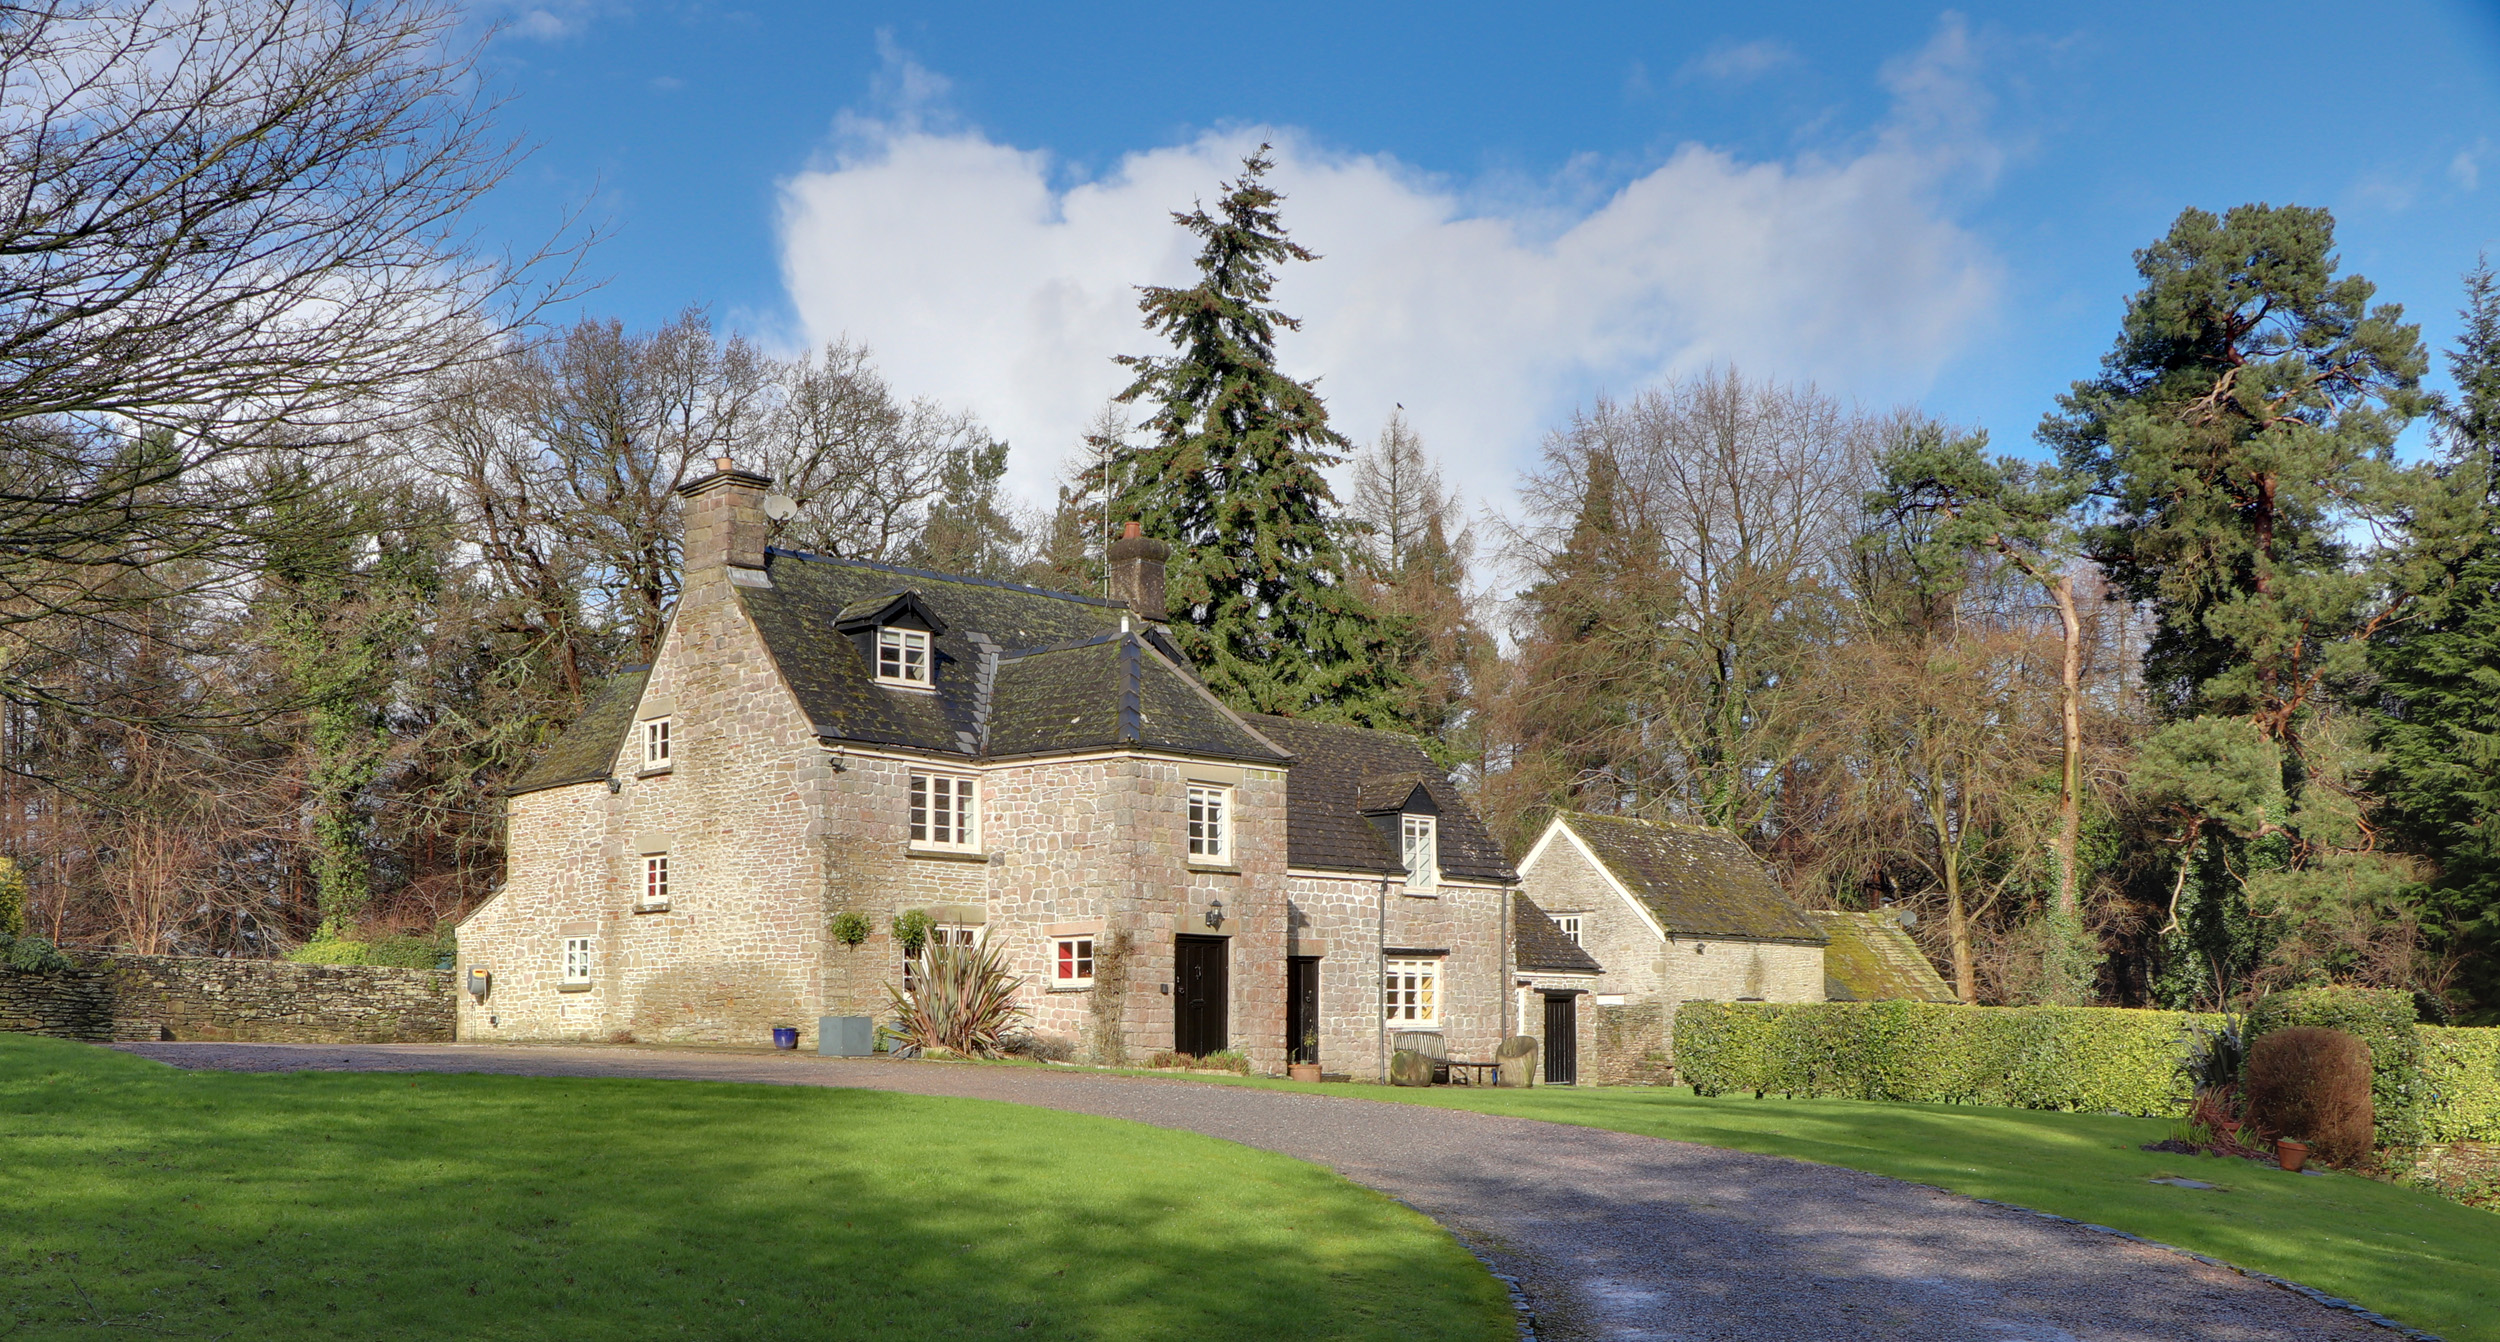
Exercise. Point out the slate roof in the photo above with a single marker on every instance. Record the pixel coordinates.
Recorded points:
(1698, 881)
(1021, 671)
(1872, 959)
(586, 752)
(1540, 943)
(1337, 770)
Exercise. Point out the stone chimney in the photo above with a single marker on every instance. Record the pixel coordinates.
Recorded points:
(724, 520)
(1137, 572)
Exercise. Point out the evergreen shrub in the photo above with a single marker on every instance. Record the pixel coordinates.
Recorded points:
(2461, 1073)
(2313, 1085)
(2094, 1059)
(2382, 1018)
(32, 955)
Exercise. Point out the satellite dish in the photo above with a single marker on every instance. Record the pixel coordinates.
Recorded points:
(780, 507)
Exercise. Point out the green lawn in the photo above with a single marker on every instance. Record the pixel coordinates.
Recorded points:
(2416, 1258)
(134, 1197)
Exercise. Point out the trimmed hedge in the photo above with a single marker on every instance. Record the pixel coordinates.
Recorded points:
(2382, 1018)
(2461, 1070)
(2439, 1084)
(2095, 1059)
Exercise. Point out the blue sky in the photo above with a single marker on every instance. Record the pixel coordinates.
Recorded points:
(1520, 207)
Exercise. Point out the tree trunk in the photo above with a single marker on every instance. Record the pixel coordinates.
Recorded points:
(1956, 917)
(2070, 710)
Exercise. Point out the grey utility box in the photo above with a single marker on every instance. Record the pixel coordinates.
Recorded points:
(846, 1036)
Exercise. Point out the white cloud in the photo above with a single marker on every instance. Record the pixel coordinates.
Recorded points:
(1740, 62)
(2466, 169)
(983, 282)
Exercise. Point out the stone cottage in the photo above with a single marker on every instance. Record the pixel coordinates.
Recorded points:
(1038, 771)
(1672, 913)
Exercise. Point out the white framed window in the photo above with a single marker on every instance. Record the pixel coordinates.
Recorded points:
(902, 655)
(1411, 994)
(1420, 848)
(655, 880)
(1570, 924)
(1072, 962)
(576, 961)
(943, 810)
(655, 744)
(1210, 823)
(943, 934)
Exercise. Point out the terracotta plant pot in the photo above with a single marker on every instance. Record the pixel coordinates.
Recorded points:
(2291, 1155)
(1303, 1071)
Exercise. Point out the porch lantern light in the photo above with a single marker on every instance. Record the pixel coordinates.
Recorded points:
(1215, 913)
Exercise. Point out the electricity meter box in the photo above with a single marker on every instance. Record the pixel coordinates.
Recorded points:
(480, 979)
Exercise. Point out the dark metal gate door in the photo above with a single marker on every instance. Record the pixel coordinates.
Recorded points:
(1562, 1039)
(1302, 1009)
(1198, 995)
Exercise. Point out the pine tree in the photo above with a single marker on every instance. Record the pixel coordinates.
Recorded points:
(2241, 430)
(1260, 585)
(1414, 555)
(2439, 709)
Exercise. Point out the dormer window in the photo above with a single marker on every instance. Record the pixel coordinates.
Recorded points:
(1420, 849)
(903, 656)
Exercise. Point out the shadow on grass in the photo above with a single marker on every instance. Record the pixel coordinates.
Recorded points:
(326, 1205)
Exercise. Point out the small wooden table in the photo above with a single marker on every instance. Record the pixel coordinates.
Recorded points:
(1474, 1073)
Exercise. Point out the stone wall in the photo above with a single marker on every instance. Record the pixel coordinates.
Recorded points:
(151, 997)
(1634, 1046)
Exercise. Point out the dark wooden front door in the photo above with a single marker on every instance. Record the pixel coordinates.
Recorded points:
(1302, 1008)
(1198, 995)
(1562, 1039)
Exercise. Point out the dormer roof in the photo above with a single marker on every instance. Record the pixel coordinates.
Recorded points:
(1339, 771)
(906, 607)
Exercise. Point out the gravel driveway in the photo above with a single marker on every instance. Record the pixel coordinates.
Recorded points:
(1609, 1235)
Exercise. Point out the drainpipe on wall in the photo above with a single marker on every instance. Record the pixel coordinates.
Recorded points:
(1380, 964)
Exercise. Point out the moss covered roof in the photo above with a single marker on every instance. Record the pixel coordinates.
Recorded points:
(1697, 881)
(1872, 959)
(586, 751)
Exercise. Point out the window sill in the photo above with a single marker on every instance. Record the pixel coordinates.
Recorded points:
(1426, 893)
(1069, 988)
(661, 907)
(572, 987)
(951, 855)
(1226, 868)
(909, 686)
(662, 772)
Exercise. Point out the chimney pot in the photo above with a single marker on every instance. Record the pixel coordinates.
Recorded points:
(1131, 531)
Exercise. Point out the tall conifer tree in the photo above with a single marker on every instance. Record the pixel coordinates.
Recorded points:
(2439, 712)
(2241, 433)
(1259, 583)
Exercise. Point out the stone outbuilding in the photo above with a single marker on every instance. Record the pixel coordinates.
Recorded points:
(1038, 771)
(1871, 958)
(1672, 913)
(1557, 979)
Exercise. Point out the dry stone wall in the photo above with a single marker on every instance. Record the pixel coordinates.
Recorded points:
(152, 997)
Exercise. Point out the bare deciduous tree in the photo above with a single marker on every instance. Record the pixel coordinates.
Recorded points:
(225, 231)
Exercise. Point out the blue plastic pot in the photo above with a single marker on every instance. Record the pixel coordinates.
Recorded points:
(785, 1036)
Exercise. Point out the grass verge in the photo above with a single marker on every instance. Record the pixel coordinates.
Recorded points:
(324, 1205)
(2420, 1259)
